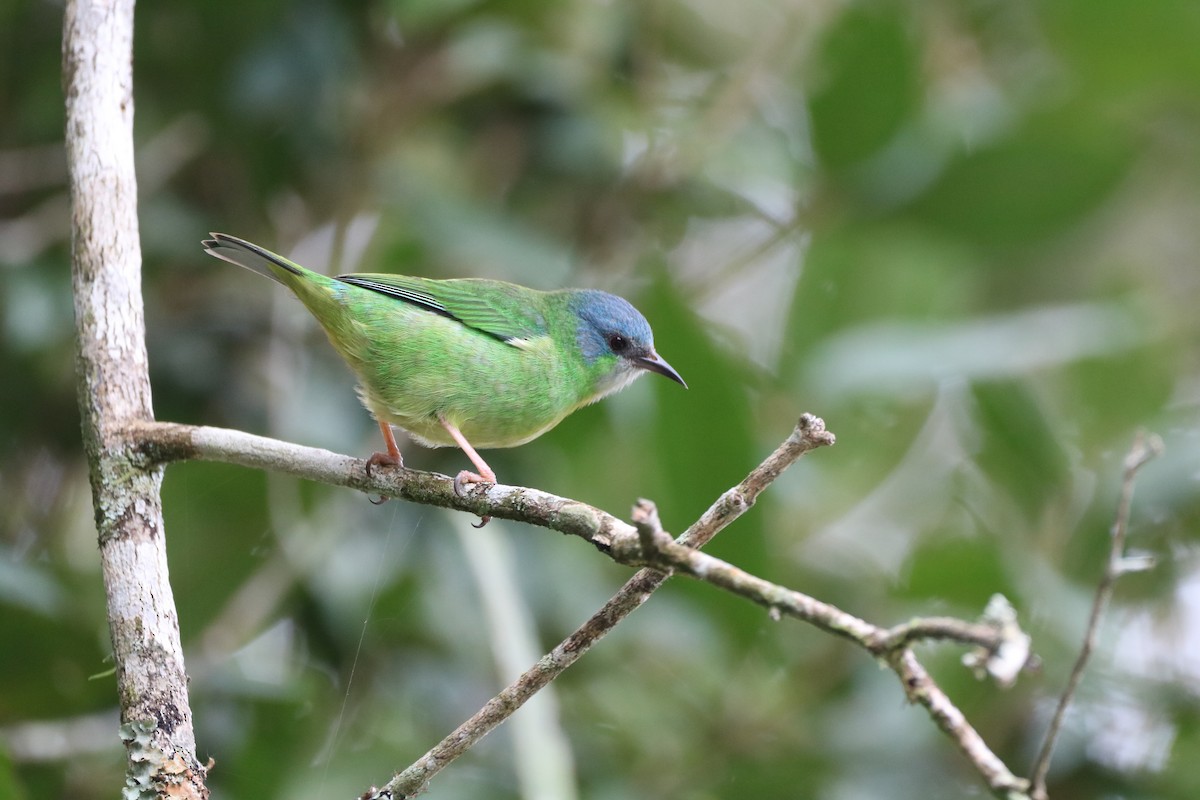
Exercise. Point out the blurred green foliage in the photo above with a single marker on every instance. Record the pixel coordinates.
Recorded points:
(963, 232)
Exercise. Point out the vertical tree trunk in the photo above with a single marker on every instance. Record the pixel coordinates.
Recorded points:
(114, 390)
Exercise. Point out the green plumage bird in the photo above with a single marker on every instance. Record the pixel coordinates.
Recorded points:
(469, 362)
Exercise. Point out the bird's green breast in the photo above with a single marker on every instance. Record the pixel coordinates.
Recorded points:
(415, 365)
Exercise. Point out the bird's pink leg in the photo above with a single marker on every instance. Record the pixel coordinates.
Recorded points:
(392, 457)
(485, 474)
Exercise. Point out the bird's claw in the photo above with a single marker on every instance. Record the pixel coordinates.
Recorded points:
(466, 477)
(382, 460)
(462, 479)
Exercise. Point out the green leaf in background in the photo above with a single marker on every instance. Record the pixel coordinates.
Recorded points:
(864, 86)
(10, 785)
(1019, 448)
(1031, 185)
(1126, 54)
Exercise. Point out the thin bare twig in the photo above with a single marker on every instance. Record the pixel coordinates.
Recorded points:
(934, 629)
(920, 688)
(1145, 448)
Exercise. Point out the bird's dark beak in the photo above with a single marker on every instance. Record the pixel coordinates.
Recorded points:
(653, 362)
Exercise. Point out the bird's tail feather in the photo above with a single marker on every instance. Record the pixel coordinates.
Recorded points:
(250, 256)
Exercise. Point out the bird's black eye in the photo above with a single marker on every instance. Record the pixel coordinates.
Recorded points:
(617, 343)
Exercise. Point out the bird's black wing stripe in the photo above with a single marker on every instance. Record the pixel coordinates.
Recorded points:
(407, 295)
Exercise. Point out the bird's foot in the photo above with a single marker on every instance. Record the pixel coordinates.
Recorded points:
(467, 477)
(461, 481)
(382, 460)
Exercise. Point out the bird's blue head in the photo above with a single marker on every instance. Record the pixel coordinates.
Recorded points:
(609, 326)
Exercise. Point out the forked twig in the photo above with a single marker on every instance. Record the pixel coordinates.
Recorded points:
(809, 434)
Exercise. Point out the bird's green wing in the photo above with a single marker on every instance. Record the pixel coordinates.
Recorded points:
(505, 311)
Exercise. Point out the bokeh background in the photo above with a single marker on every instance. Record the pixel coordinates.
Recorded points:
(964, 232)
